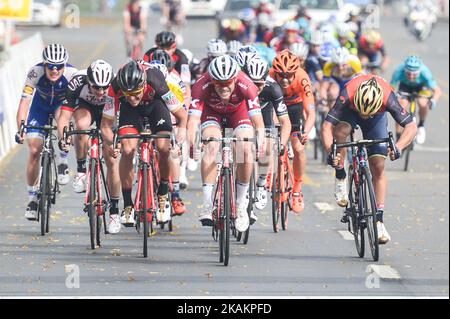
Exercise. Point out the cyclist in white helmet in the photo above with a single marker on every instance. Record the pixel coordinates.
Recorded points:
(225, 93)
(215, 48)
(49, 79)
(301, 50)
(233, 47)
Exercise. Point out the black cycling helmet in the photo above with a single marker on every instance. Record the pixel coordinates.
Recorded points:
(131, 77)
(163, 57)
(165, 39)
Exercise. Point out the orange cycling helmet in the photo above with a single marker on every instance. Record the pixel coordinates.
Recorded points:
(286, 62)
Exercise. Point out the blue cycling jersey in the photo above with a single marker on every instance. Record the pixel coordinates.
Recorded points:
(49, 93)
(425, 78)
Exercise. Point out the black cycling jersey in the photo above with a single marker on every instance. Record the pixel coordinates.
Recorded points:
(135, 17)
(270, 98)
(312, 66)
(180, 60)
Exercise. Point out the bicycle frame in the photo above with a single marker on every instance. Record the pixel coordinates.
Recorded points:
(145, 155)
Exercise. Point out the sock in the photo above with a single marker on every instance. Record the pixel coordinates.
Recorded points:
(163, 188)
(297, 186)
(32, 193)
(114, 209)
(63, 157)
(262, 180)
(341, 174)
(176, 189)
(380, 212)
(127, 201)
(81, 166)
(241, 192)
(421, 123)
(207, 194)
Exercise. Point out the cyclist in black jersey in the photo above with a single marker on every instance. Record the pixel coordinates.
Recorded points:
(135, 24)
(270, 98)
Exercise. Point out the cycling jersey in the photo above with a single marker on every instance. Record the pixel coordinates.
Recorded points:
(265, 52)
(156, 88)
(313, 66)
(271, 98)
(425, 78)
(50, 93)
(300, 90)
(135, 17)
(279, 43)
(243, 103)
(78, 95)
(372, 54)
(331, 71)
(180, 60)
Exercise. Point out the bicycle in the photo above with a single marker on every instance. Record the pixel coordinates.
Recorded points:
(48, 176)
(321, 114)
(134, 46)
(412, 98)
(224, 214)
(361, 211)
(145, 202)
(95, 205)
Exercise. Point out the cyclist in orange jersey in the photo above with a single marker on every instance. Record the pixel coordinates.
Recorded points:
(299, 98)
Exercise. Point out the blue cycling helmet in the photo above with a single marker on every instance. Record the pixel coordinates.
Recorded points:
(413, 63)
(326, 51)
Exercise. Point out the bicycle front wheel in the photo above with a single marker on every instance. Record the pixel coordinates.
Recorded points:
(143, 213)
(45, 193)
(92, 211)
(226, 217)
(370, 213)
(354, 210)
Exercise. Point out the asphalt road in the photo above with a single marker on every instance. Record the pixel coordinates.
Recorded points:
(311, 258)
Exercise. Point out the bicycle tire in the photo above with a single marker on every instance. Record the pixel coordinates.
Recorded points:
(92, 211)
(43, 194)
(144, 201)
(284, 204)
(51, 192)
(227, 211)
(275, 196)
(371, 214)
(354, 222)
(251, 197)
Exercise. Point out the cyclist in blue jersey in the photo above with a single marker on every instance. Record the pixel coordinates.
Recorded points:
(413, 76)
(43, 94)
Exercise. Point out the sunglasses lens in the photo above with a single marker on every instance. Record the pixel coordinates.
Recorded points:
(223, 83)
(55, 66)
(133, 94)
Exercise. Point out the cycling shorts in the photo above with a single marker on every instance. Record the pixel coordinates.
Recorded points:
(155, 111)
(236, 120)
(295, 115)
(95, 111)
(372, 129)
(38, 116)
(412, 89)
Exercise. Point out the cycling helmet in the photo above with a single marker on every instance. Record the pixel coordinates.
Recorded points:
(216, 47)
(223, 68)
(55, 54)
(291, 26)
(234, 46)
(373, 37)
(163, 57)
(248, 49)
(158, 65)
(257, 69)
(340, 55)
(131, 77)
(413, 63)
(247, 15)
(236, 25)
(343, 30)
(300, 49)
(243, 57)
(165, 39)
(100, 73)
(368, 98)
(316, 38)
(325, 51)
(286, 62)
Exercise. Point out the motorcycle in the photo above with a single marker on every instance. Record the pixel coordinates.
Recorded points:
(420, 22)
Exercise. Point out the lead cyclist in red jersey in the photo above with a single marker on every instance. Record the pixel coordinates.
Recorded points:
(225, 93)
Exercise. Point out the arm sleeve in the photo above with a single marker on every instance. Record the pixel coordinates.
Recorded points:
(252, 99)
(278, 101)
(31, 82)
(400, 115)
(335, 115)
(73, 93)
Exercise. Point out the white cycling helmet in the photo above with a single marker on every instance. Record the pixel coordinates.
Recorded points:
(343, 30)
(264, 20)
(300, 49)
(234, 46)
(291, 26)
(340, 55)
(223, 68)
(100, 73)
(243, 57)
(55, 54)
(257, 69)
(158, 65)
(216, 48)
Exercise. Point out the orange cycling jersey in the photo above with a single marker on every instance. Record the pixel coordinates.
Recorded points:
(300, 90)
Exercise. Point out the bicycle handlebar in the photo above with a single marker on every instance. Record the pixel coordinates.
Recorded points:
(143, 135)
(35, 127)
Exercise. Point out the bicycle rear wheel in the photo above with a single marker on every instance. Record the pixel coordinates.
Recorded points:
(275, 205)
(370, 213)
(92, 210)
(354, 222)
(284, 204)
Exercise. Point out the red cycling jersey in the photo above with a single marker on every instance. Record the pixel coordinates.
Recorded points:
(243, 104)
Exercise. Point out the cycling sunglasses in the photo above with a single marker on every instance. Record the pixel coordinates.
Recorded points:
(133, 93)
(58, 67)
(98, 88)
(288, 75)
(223, 83)
(413, 73)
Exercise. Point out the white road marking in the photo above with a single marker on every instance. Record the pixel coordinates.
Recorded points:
(420, 148)
(385, 272)
(323, 207)
(346, 234)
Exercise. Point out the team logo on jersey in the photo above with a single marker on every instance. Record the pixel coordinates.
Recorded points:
(160, 122)
(32, 75)
(28, 90)
(194, 103)
(282, 107)
(253, 103)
